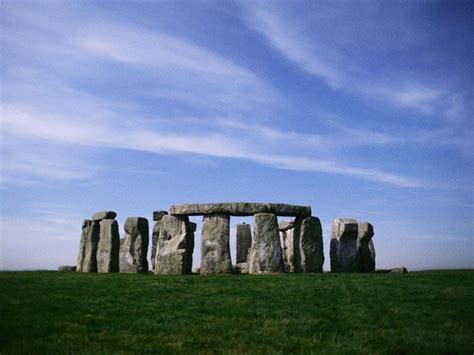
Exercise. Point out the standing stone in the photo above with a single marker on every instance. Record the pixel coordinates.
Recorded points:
(293, 252)
(157, 216)
(365, 251)
(108, 247)
(265, 252)
(244, 242)
(89, 263)
(86, 226)
(343, 251)
(134, 245)
(99, 216)
(175, 247)
(311, 245)
(215, 248)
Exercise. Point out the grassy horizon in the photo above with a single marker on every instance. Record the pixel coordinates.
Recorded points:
(63, 312)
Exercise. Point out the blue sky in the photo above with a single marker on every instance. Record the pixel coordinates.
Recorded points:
(360, 109)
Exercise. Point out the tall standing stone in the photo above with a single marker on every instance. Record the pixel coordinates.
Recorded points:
(134, 245)
(293, 236)
(215, 247)
(157, 216)
(311, 245)
(86, 226)
(265, 252)
(108, 247)
(365, 251)
(175, 245)
(89, 263)
(244, 242)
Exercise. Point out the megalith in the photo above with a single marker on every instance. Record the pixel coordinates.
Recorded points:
(134, 246)
(86, 226)
(365, 259)
(244, 242)
(175, 246)
(290, 241)
(89, 263)
(352, 248)
(108, 246)
(215, 247)
(157, 216)
(311, 245)
(265, 252)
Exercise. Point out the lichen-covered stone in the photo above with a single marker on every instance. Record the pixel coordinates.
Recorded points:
(158, 215)
(265, 252)
(365, 259)
(311, 245)
(86, 226)
(175, 246)
(240, 209)
(154, 242)
(99, 216)
(244, 242)
(108, 247)
(89, 263)
(134, 246)
(343, 250)
(215, 247)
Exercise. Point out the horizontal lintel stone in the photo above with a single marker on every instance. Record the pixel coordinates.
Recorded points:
(240, 209)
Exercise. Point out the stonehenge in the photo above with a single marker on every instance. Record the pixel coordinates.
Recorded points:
(266, 246)
(215, 247)
(352, 248)
(174, 251)
(108, 246)
(244, 241)
(134, 245)
(266, 254)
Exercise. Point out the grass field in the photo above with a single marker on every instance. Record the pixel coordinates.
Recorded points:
(427, 312)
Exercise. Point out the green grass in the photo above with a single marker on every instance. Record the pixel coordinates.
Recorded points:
(423, 312)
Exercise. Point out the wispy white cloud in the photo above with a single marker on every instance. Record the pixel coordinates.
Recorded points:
(306, 39)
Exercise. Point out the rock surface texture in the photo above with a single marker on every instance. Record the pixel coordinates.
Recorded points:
(244, 242)
(108, 246)
(99, 216)
(158, 215)
(351, 248)
(365, 249)
(240, 209)
(265, 252)
(215, 247)
(155, 235)
(174, 254)
(289, 245)
(311, 245)
(134, 246)
(86, 226)
(89, 263)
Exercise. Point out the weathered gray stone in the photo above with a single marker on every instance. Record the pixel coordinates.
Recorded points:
(134, 245)
(244, 242)
(352, 248)
(285, 225)
(293, 241)
(265, 252)
(154, 240)
(108, 247)
(99, 216)
(67, 268)
(311, 245)
(401, 270)
(86, 225)
(89, 263)
(365, 259)
(242, 268)
(158, 215)
(343, 249)
(215, 248)
(240, 209)
(175, 246)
